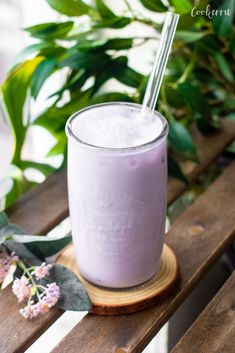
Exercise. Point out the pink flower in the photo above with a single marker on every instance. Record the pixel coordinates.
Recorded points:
(42, 271)
(52, 295)
(5, 263)
(49, 299)
(41, 307)
(21, 288)
(32, 310)
(28, 312)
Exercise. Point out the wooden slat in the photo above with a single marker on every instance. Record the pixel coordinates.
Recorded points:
(17, 333)
(43, 207)
(214, 329)
(198, 238)
(40, 209)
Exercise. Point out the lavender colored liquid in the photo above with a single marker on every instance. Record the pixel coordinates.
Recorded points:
(117, 193)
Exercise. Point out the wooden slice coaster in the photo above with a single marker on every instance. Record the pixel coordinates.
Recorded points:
(122, 301)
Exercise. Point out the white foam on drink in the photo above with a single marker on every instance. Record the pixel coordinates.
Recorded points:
(116, 126)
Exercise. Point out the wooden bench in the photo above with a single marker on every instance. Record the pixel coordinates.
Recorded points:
(214, 330)
(198, 237)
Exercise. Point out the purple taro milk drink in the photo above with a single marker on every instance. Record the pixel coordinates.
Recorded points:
(117, 180)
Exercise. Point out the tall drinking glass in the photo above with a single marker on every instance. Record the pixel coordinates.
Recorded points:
(117, 201)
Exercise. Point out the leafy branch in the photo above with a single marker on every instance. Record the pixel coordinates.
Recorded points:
(22, 261)
(198, 87)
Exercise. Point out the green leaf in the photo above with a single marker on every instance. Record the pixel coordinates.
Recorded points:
(88, 44)
(44, 168)
(231, 148)
(175, 171)
(75, 82)
(50, 30)
(19, 186)
(3, 220)
(118, 44)
(115, 22)
(33, 48)
(182, 7)
(24, 254)
(209, 44)
(82, 60)
(129, 77)
(229, 104)
(103, 9)
(199, 106)
(231, 116)
(59, 147)
(73, 295)
(54, 119)
(114, 68)
(15, 192)
(10, 229)
(182, 203)
(111, 97)
(43, 246)
(173, 96)
(41, 74)
(53, 51)
(224, 67)
(187, 22)
(2, 239)
(118, 68)
(154, 5)
(103, 44)
(34, 245)
(14, 91)
(232, 46)
(223, 25)
(180, 139)
(189, 36)
(70, 7)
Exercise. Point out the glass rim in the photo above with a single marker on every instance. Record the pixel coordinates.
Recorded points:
(138, 148)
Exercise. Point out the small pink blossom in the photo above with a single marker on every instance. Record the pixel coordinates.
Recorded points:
(40, 298)
(32, 310)
(41, 307)
(21, 288)
(48, 300)
(42, 271)
(28, 312)
(52, 294)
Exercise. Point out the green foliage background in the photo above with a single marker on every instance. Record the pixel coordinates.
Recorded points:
(198, 86)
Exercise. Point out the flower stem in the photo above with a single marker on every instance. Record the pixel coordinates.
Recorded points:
(30, 277)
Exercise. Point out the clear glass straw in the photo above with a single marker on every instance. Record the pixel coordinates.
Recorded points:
(163, 51)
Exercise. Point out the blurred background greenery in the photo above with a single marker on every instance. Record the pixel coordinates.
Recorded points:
(90, 48)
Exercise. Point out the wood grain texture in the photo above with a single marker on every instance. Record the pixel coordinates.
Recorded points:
(125, 301)
(213, 216)
(43, 207)
(214, 329)
(38, 211)
(17, 334)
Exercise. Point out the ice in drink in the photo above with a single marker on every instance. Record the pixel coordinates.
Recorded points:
(117, 180)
